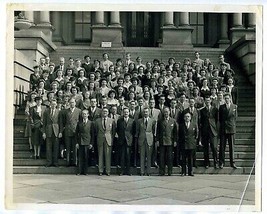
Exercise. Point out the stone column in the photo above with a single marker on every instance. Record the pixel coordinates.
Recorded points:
(237, 20)
(179, 37)
(237, 31)
(99, 18)
(184, 19)
(223, 41)
(45, 17)
(168, 19)
(112, 34)
(29, 15)
(56, 23)
(251, 20)
(115, 18)
(44, 24)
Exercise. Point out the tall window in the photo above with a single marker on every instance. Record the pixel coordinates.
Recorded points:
(197, 22)
(82, 26)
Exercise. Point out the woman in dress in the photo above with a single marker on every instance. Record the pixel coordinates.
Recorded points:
(30, 103)
(111, 98)
(34, 78)
(36, 116)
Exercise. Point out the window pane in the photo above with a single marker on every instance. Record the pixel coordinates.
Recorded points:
(200, 18)
(194, 35)
(78, 31)
(78, 17)
(87, 17)
(193, 18)
(200, 35)
(86, 31)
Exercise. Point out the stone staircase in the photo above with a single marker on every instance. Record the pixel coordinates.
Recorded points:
(245, 137)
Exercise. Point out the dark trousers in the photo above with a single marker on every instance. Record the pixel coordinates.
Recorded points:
(135, 156)
(188, 161)
(210, 141)
(166, 156)
(83, 158)
(125, 158)
(155, 154)
(178, 154)
(70, 142)
(231, 140)
(145, 154)
(52, 150)
(115, 156)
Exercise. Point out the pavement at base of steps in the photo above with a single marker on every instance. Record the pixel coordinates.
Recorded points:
(226, 190)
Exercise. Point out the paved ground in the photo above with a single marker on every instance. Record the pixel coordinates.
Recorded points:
(134, 190)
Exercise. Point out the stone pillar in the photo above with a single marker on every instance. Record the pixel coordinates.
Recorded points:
(45, 25)
(184, 19)
(99, 18)
(223, 41)
(237, 31)
(111, 33)
(179, 37)
(251, 20)
(56, 23)
(29, 16)
(168, 19)
(115, 18)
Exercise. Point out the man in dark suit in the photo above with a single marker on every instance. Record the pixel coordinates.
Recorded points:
(209, 131)
(227, 118)
(105, 129)
(87, 65)
(145, 134)
(61, 65)
(68, 124)
(167, 136)
(51, 133)
(85, 137)
(188, 132)
(195, 120)
(125, 131)
(93, 111)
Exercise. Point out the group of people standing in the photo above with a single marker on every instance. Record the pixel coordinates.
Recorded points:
(131, 114)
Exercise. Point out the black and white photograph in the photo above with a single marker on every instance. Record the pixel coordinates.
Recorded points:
(115, 105)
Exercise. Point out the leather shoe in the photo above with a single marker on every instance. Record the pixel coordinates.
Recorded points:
(216, 166)
(206, 167)
(182, 174)
(100, 174)
(48, 165)
(108, 174)
(169, 174)
(78, 174)
(234, 166)
(142, 174)
(161, 174)
(147, 174)
(191, 174)
(221, 166)
(56, 165)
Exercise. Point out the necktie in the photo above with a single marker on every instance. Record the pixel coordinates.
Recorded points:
(52, 112)
(105, 123)
(187, 125)
(151, 113)
(146, 122)
(84, 122)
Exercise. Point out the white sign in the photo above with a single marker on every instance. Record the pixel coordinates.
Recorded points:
(106, 44)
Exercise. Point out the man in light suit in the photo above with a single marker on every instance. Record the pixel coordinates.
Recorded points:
(227, 118)
(155, 114)
(85, 135)
(105, 129)
(125, 131)
(167, 136)
(51, 133)
(209, 131)
(188, 132)
(145, 134)
(68, 124)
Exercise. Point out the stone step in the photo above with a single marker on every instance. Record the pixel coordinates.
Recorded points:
(245, 136)
(245, 142)
(134, 171)
(21, 147)
(247, 113)
(238, 155)
(245, 129)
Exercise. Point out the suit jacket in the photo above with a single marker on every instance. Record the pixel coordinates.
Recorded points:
(234, 93)
(88, 68)
(51, 122)
(145, 134)
(194, 115)
(188, 136)
(94, 115)
(115, 117)
(125, 131)
(209, 120)
(155, 114)
(104, 134)
(175, 115)
(167, 132)
(136, 114)
(85, 133)
(69, 121)
(227, 119)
